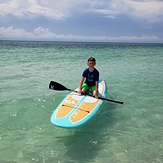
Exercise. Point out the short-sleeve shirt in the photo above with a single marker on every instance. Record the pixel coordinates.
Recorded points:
(91, 77)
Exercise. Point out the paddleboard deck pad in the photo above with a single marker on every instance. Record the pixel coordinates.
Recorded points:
(76, 110)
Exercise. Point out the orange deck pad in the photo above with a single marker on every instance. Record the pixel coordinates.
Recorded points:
(83, 110)
(66, 107)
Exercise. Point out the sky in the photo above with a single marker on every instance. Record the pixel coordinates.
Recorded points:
(82, 20)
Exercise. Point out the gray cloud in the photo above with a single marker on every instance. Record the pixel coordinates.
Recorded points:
(151, 10)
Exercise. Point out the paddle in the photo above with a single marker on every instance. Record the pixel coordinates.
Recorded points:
(59, 87)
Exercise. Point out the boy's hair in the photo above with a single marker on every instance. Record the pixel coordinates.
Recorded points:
(92, 59)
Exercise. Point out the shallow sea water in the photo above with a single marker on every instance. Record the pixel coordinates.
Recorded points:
(128, 133)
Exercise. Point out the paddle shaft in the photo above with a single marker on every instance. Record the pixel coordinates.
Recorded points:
(118, 102)
(101, 98)
(59, 87)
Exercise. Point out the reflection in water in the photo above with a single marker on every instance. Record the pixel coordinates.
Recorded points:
(85, 142)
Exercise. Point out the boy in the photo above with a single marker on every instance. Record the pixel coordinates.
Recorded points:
(91, 76)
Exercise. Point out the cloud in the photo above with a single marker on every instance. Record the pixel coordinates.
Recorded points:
(31, 8)
(10, 32)
(148, 10)
(82, 20)
(45, 34)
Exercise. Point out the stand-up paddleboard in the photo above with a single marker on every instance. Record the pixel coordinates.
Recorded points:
(76, 110)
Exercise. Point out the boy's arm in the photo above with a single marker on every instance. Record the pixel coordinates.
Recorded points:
(96, 93)
(81, 83)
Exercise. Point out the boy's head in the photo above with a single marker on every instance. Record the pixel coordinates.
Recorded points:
(91, 61)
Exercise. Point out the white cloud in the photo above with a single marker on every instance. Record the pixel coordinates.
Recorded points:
(148, 10)
(31, 8)
(10, 32)
(40, 33)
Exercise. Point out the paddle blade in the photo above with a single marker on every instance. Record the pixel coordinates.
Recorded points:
(57, 86)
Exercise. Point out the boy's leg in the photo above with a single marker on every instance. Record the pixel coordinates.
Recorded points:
(93, 88)
(85, 88)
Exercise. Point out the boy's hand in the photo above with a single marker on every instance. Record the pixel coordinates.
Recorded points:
(96, 96)
(79, 91)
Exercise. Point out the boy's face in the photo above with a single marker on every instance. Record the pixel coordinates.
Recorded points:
(91, 64)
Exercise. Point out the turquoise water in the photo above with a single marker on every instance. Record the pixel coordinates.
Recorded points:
(128, 133)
